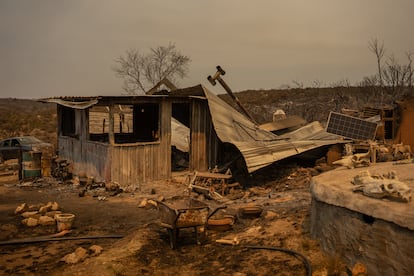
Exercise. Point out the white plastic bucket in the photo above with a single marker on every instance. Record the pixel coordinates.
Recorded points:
(64, 221)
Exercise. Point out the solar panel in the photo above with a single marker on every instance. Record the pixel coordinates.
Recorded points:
(351, 127)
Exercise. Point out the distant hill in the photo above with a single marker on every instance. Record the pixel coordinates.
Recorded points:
(312, 104)
(30, 117)
(27, 117)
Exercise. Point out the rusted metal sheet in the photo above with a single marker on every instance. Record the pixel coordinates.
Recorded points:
(199, 122)
(204, 141)
(91, 158)
(288, 122)
(259, 147)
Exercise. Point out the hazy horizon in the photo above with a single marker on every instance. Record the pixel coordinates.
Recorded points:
(67, 48)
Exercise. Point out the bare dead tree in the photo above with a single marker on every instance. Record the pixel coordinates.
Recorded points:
(317, 84)
(141, 72)
(298, 84)
(130, 69)
(410, 68)
(378, 49)
(341, 83)
(392, 73)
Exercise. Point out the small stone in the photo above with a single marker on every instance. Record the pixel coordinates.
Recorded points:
(31, 222)
(81, 252)
(320, 272)
(45, 220)
(95, 250)
(359, 270)
(143, 203)
(160, 198)
(21, 209)
(45, 209)
(30, 214)
(55, 206)
(152, 202)
(34, 207)
(75, 257)
(270, 215)
(111, 186)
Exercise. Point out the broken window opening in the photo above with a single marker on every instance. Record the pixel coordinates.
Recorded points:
(388, 118)
(99, 124)
(180, 136)
(388, 130)
(68, 126)
(131, 123)
(136, 123)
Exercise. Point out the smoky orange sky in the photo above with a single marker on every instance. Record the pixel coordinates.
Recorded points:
(67, 47)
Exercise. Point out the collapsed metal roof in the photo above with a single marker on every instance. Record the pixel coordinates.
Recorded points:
(260, 147)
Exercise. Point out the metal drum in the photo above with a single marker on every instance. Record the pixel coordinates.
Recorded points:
(31, 164)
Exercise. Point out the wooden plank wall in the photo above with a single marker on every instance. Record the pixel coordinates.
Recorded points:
(204, 141)
(131, 165)
(87, 157)
(135, 164)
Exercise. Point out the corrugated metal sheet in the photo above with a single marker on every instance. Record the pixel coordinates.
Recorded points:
(200, 120)
(90, 158)
(290, 121)
(180, 136)
(259, 147)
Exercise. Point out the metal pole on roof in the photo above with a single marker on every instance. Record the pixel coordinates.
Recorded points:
(217, 76)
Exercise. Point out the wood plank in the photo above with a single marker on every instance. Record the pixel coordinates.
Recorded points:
(214, 175)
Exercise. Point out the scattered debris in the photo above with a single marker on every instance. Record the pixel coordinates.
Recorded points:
(382, 186)
(95, 250)
(251, 211)
(45, 220)
(40, 214)
(184, 212)
(208, 183)
(359, 269)
(234, 241)
(79, 255)
(355, 160)
(30, 222)
(21, 209)
(224, 223)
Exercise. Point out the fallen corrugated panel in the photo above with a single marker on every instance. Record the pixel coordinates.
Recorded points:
(180, 136)
(259, 147)
(85, 103)
(312, 131)
(288, 122)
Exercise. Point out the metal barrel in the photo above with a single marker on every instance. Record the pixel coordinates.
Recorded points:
(31, 164)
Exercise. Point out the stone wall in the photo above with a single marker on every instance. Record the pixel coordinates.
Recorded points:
(383, 247)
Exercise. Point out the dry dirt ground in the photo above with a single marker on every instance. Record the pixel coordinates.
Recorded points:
(144, 248)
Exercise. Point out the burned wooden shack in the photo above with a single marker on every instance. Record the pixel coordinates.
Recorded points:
(129, 139)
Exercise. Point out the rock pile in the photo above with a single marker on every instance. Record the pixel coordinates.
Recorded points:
(81, 254)
(40, 214)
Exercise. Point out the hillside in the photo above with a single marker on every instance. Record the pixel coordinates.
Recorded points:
(30, 117)
(27, 117)
(312, 104)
